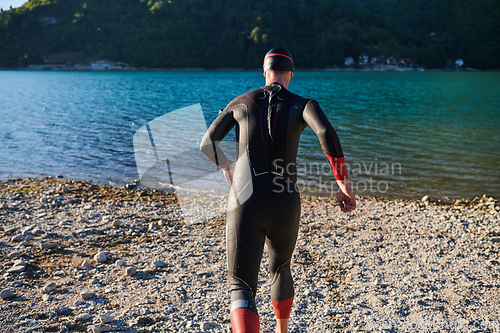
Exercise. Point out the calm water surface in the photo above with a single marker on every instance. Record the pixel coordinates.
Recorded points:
(403, 134)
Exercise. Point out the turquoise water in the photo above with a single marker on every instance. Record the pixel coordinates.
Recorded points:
(403, 134)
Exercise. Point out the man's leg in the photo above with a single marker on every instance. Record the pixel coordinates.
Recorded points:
(282, 325)
(282, 293)
(281, 239)
(245, 244)
(244, 317)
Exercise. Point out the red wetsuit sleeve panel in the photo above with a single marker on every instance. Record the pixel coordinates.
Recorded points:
(214, 135)
(328, 138)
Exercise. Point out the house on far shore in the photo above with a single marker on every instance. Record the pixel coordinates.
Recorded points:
(363, 59)
(103, 65)
(391, 60)
(459, 63)
(404, 62)
(349, 61)
(374, 61)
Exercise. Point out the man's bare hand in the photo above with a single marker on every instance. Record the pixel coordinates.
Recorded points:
(345, 197)
(229, 175)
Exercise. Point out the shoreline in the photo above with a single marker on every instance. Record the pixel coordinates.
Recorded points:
(133, 69)
(81, 256)
(483, 202)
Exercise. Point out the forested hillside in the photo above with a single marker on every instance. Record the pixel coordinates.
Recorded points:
(222, 33)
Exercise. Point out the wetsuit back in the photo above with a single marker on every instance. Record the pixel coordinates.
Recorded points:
(270, 121)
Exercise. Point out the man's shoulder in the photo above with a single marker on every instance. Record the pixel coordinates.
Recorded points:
(249, 96)
(253, 93)
(252, 96)
(297, 97)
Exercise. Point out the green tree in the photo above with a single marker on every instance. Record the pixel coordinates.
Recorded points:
(193, 33)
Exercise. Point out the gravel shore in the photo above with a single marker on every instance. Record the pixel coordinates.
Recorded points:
(82, 257)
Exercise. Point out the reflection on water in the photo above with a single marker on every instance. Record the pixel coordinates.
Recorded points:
(436, 132)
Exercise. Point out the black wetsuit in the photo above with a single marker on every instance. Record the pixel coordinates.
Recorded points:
(269, 123)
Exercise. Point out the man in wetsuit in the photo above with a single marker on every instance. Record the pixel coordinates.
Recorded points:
(269, 122)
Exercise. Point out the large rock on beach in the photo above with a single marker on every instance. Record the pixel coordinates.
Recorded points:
(83, 317)
(49, 245)
(86, 295)
(17, 238)
(49, 287)
(86, 264)
(159, 263)
(101, 257)
(105, 319)
(61, 309)
(100, 328)
(130, 271)
(17, 269)
(6, 294)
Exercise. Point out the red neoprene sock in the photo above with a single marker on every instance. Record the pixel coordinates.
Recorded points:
(245, 321)
(282, 308)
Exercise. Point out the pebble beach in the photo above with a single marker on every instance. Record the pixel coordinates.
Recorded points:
(82, 257)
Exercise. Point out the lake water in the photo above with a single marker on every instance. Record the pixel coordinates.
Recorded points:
(404, 134)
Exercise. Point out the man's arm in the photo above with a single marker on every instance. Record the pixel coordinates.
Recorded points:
(330, 143)
(345, 197)
(216, 132)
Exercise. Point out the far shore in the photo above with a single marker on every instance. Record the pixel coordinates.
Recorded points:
(195, 69)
